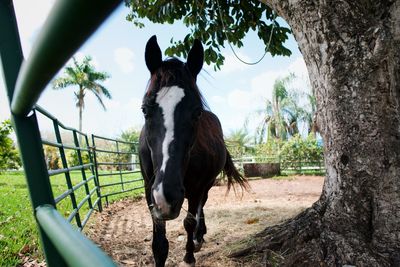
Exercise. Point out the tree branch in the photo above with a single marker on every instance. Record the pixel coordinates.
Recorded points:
(279, 6)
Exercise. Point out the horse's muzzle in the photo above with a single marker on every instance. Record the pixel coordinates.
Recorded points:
(169, 213)
(166, 208)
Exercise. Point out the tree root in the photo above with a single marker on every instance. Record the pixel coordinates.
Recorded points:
(307, 240)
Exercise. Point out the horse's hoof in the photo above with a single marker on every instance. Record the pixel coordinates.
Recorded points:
(185, 264)
(197, 245)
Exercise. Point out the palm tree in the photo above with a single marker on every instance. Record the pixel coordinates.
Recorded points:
(280, 115)
(239, 141)
(309, 115)
(86, 78)
(293, 113)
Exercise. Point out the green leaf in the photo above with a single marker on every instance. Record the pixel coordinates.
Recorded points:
(205, 20)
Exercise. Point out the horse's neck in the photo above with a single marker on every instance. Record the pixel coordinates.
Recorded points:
(209, 132)
(210, 123)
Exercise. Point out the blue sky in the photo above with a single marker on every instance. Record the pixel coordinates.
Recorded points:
(234, 93)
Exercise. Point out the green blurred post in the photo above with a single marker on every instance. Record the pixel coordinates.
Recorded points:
(26, 127)
(70, 23)
(76, 249)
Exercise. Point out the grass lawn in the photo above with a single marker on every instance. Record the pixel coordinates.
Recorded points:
(18, 232)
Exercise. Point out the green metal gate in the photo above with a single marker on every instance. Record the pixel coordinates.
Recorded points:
(70, 23)
(121, 174)
(100, 168)
(89, 182)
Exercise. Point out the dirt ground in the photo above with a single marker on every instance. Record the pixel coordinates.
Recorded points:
(124, 229)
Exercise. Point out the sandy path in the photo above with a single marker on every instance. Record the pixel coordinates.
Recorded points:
(124, 229)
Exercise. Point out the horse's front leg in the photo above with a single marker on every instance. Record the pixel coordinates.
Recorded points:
(190, 225)
(160, 243)
(201, 228)
(200, 231)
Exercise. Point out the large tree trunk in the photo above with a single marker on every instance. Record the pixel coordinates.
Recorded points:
(352, 52)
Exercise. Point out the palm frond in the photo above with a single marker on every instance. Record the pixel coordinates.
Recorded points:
(98, 76)
(62, 82)
(103, 91)
(98, 96)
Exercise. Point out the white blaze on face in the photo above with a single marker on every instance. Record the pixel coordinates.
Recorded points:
(159, 198)
(168, 98)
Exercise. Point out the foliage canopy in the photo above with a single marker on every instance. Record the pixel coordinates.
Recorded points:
(213, 22)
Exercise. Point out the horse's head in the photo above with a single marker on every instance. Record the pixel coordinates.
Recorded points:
(172, 106)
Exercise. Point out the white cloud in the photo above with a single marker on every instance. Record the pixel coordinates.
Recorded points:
(30, 17)
(4, 105)
(134, 103)
(247, 100)
(262, 84)
(112, 104)
(231, 64)
(218, 99)
(124, 57)
(298, 67)
(241, 99)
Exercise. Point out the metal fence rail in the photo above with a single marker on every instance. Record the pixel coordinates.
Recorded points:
(91, 169)
(70, 23)
(87, 182)
(287, 167)
(117, 166)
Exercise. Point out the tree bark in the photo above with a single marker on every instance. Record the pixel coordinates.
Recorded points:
(80, 118)
(352, 52)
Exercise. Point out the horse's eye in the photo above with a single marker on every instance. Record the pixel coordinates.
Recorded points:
(197, 113)
(145, 111)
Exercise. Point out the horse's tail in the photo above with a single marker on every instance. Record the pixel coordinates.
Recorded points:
(233, 174)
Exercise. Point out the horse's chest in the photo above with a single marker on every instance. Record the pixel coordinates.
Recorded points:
(205, 164)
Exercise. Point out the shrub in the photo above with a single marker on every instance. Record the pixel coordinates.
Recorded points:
(298, 150)
(52, 157)
(9, 157)
(269, 151)
(73, 160)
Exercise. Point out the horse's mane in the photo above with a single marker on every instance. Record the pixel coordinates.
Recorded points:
(174, 72)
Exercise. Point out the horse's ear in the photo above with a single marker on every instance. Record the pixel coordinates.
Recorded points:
(195, 58)
(152, 55)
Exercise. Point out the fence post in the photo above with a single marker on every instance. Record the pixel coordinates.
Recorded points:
(119, 165)
(26, 127)
(96, 178)
(67, 173)
(80, 160)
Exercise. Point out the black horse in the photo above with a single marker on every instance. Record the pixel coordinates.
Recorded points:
(181, 148)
